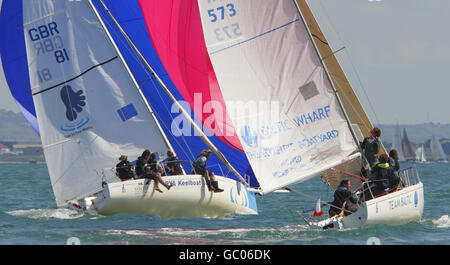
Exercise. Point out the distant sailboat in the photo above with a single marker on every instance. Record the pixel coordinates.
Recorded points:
(420, 154)
(437, 152)
(407, 149)
(397, 143)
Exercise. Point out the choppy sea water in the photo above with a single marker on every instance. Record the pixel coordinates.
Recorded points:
(28, 216)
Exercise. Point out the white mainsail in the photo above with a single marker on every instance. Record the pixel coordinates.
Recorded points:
(437, 151)
(281, 101)
(88, 106)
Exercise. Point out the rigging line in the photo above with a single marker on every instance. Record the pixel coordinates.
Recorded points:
(349, 174)
(138, 88)
(115, 31)
(351, 61)
(73, 78)
(317, 37)
(327, 74)
(187, 115)
(332, 53)
(355, 111)
(120, 37)
(295, 214)
(74, 161)
(363, 88)
(170, 113)
(312, 198)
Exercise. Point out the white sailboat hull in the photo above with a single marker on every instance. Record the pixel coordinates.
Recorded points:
(188, 198)
(395, 208)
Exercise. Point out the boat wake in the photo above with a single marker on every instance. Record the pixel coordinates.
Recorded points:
(60, 213)
(442, 222)
(231, 235)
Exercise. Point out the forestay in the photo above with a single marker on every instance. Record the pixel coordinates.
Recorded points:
(279, 97)
(87, 104)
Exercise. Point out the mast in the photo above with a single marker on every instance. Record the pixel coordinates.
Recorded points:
(134, 81)
(174, 100)
(328, 76)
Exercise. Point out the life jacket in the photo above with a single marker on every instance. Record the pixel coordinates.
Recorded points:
(371, 148)
(153, 164)
(341, 195)
(140, 166)
(124, 170)
(384, 171)
(175, 165)
(199, 164)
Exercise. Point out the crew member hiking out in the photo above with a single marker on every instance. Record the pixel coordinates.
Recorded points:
(199, 167)
(152, 162)
(173, 164)
(343, 195)
(144, 170)
(156, 176)
(141, 163)
(124, 169)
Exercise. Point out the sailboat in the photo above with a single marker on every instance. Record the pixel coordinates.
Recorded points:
(437, 151)
(274, 51)
(407, 149)
(79, 93)
(420, 154)
(281, 110)
(397, 143)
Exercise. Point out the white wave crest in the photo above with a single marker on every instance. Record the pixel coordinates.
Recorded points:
(60, 213)
(442, 222)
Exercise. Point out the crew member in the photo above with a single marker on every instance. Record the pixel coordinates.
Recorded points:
(199, 167)
(343, 195)
(385, 179)
(124, 169)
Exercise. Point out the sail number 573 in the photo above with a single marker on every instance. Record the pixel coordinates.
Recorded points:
(221, 12)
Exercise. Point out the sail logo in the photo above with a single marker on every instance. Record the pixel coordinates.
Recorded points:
(249, 136)
(416, 199)
(74, 103)
(239, 197)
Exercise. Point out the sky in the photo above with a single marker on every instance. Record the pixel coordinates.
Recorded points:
(396, 56)
(401, 52)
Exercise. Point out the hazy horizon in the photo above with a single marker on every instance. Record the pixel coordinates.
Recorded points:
(400, 50)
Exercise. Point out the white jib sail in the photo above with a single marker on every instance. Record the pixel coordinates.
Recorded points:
(88, 107)
(280, 100)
